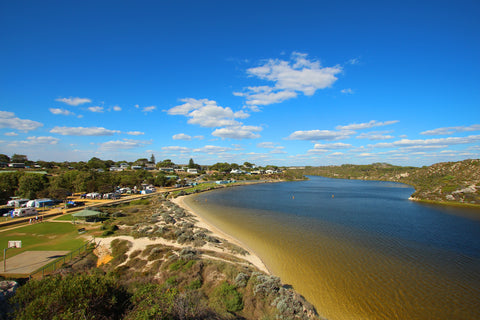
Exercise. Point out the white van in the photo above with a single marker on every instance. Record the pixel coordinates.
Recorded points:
(25, 212)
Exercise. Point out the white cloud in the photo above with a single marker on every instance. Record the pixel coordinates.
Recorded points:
(319, 148)
(181, 136)
(122, 144)
(332, 146)
(238, 132)
(135, 133)
(96, 109)
(347, 91)
(264, 95)
(11, 134)
(176, 149)
(33, 141)
(314, 135)
(149, 109)
(199, 137)
(206, 113)
(83, 131)
(117, 108)
(375, 135)
(212, 149)
(442, 142)
(366, 125)
(451, 130)
(266, 145)
(8, 120)
(61, 111)
(289, 77)
(74, 101)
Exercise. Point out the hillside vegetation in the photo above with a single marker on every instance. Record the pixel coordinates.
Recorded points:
(454, 182)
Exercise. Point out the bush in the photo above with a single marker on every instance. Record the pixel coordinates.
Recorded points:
(73, 297)
(226, 297)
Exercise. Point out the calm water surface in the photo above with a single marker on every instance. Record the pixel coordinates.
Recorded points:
(357, 249)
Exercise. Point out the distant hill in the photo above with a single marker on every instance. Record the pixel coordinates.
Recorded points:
(454, 182)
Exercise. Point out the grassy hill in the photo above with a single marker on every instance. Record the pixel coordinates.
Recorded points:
(451, 182)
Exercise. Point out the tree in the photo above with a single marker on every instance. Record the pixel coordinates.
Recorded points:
(96, 163)
(248, 165)
(30, 184)
(191, 163)
(4, 158)
(141, 162)
(8, 185)
(152, 159)
(19, 158)
(167, 163)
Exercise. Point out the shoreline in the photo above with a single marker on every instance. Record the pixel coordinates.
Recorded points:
(252, 257)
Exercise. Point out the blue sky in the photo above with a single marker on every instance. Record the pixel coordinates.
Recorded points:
(268, 82)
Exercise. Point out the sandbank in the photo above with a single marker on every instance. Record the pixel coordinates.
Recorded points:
(203, 223)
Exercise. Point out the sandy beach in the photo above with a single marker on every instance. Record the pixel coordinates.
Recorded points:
(252, 257)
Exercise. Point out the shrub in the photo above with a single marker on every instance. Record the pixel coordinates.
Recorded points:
(72, 297)
(226, 297)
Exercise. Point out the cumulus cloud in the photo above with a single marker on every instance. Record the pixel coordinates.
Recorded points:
(366, 125)
(135, 133)
(176, 149)
(441, 142)
(83, 131)
(313, 135)
(40, 140)
(117, 108)
(96, 109)
(206, 113)
(298, 75)
(212, 149)
(8, 120)
(149, 109)
(452, 130)
(122, 144)
(375, 135)
(332, 146)
(60, 111)
(181, 136)
(347, 91)
(33, 141)
(11, 134)
(74, 101)
(238, 132)
(266, 145)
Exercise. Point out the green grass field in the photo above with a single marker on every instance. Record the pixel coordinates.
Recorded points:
(42, 236)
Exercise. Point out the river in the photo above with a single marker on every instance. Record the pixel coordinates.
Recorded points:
(357, 249)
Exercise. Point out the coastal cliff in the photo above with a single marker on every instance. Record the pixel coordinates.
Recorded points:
(449, 182)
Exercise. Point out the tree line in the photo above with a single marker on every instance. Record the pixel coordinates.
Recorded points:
(30, 185)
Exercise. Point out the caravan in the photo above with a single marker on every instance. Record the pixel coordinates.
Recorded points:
(24, 212)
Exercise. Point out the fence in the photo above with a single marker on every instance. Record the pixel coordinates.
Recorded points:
(58, 263)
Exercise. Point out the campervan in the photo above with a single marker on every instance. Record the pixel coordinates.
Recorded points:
(24, 212)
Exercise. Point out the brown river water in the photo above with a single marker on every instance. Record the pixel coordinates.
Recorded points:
(364, 253)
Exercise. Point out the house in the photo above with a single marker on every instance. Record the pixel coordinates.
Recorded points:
(137, 167)
(16, 165)
(237, 171)
(150, 166)
(192, 171)
(169, 170)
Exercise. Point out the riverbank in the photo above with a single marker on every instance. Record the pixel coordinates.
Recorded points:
(203, 223)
